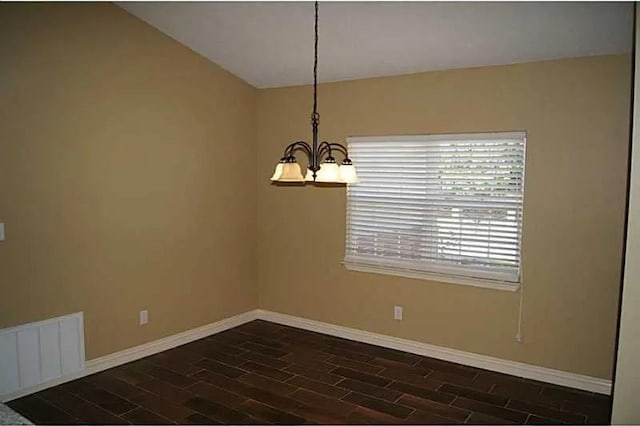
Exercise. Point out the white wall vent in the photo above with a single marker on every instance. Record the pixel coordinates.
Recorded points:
(38, 352)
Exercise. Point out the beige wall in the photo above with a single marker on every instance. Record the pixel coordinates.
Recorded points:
(120, 183)
(128, 181)
(627, 381)
(576, 116)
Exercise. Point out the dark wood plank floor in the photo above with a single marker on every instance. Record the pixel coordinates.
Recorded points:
(262, 372)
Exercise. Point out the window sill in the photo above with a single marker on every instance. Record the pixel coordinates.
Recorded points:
(432, 276)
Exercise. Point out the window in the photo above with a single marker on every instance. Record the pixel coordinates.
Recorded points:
(443, 207)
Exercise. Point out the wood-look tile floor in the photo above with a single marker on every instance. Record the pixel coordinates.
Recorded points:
(262, 372)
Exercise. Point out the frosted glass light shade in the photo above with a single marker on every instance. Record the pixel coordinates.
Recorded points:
(328, 173)
(291, 172)
(348, 173)
(278, 172)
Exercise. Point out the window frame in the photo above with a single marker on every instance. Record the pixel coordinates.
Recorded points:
(440, 276)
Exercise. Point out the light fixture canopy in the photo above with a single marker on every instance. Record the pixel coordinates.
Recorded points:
(322, 166)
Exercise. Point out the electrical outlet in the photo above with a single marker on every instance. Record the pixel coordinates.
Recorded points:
(397, 313)
(144, 317)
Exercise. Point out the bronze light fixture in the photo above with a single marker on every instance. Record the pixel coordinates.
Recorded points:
(322, 165)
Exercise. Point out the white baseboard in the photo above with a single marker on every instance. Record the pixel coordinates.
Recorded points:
(113, 360)
(592, 384)
(563, 378)
(122, 357)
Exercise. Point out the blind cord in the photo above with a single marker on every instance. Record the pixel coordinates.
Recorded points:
(519, 338)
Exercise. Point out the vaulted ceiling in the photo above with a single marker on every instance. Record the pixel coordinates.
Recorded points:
(270, 44)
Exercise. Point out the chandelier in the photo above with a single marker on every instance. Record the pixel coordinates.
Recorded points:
(322, 166)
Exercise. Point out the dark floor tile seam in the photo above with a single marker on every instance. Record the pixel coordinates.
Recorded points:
(418, 360)
(294, 377)
(489, 392)
(136, 405)
(192, 375)
(202, 396)
(424, 376)
(437, 389)
(413, 409)
(164, 367)
(505, 406)
(128, 399)
(541, 391)
(257, 373)
(80, 396)
(222, 362)
(555, 409)
(366, 364)
(488, 403)
(348, 413)
(63, 409)
(395, 401)
(507, 403)
(134, 408)
(439, 414)
(248, 397)
(349, 351)
(586, 417)
(390, 383)
(450, 404)
(269, 366)
(533, 414)
(468, 417)
(350, 392)
(197, 361)
(253, 342)
(432, 372)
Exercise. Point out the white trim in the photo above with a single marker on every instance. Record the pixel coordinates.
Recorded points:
(592, 384)
(122, 357)
(151, 348)
(433, 276)
(17, 328)
(563, 378)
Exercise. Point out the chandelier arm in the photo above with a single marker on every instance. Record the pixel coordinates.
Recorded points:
(295, 145)
(303, 149)
(323, 148)
(329, 147)
(341, 148)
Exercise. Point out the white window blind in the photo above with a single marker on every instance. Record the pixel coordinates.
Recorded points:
(438, 204)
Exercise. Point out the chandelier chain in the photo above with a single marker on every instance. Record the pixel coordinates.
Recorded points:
(315, 67)
(288, 169)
